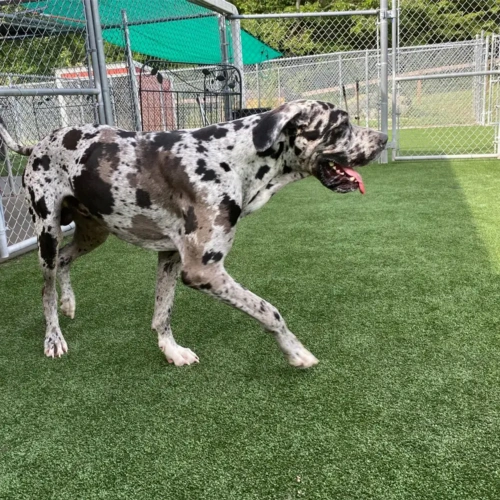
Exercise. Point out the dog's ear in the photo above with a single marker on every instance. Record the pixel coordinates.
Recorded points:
(272, 124)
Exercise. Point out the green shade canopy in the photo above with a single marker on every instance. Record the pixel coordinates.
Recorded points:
(188, 33)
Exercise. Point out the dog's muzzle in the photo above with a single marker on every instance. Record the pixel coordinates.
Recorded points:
(339, 178)
(336, 170)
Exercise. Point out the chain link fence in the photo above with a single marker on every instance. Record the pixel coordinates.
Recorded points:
(33, 45)
(447, 96)
(331, 58)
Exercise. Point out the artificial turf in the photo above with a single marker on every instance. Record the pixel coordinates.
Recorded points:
(397, 294)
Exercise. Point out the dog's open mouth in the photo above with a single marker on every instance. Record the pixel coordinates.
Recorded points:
(339, 178)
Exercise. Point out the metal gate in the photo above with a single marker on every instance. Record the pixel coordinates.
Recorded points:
(315, 63)
(187, 98)
(446, 96)
(34, 105)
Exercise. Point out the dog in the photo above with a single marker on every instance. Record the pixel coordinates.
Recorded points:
(181, 193)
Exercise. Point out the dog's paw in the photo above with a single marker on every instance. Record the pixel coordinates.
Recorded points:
(302, 358)
(55, 345)
(68, 306)
(178, 355)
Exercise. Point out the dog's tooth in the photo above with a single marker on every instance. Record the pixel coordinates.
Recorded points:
(352, 179)
(331, 164)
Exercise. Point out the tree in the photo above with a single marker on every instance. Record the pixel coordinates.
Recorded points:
(422, 22)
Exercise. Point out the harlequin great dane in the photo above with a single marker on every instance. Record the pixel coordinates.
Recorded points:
(181, 193)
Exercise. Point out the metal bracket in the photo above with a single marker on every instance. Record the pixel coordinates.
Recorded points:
(387, 14)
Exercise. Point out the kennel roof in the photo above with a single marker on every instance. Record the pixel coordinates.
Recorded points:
(173, 30)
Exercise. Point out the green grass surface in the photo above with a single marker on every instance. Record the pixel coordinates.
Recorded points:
(18, 163)
(473, 139)
(396, 292)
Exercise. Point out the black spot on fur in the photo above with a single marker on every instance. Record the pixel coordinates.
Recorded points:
(287, 169)
(191, 223)
(48, 180)
(166, 140)
(99, 151)
(276, 315)
(225, 166)
(238, 124)
(48, 248)
(90, 189)
(210, 132)
(71, 138)
(205, 286)
(211, 257)
(43, 162)
(40, 208)
(265, 129)
(90, 135)
(142, 198)
(88, 152)
(311, 135)
(125, 134)
(207, 174)
(32, 196)
(262, 172)
(233, 209)
(230, 147)
(201, 148)
(297, 151)
(336, 116)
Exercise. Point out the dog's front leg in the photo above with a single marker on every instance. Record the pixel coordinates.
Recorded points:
(214, 280)
(169, 265)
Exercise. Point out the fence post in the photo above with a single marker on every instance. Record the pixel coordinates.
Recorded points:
(93, 56)
(238, 54)
(101, 61)
(4, 248)
(10, 175)
(395, 48)
(225, 60)
(131, 72)
(384, 79)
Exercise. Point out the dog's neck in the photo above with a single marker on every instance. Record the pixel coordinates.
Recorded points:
(273, 169)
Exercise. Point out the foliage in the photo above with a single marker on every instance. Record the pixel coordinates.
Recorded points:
(424, 22)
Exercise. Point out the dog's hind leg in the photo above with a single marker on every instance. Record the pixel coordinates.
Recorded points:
(169, 266)
(89, 234)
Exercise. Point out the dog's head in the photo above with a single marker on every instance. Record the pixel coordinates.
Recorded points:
(320, 140)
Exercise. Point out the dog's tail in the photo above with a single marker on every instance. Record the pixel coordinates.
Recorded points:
(7, 138)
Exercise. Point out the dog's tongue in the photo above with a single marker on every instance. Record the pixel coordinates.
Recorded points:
(353, 173)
